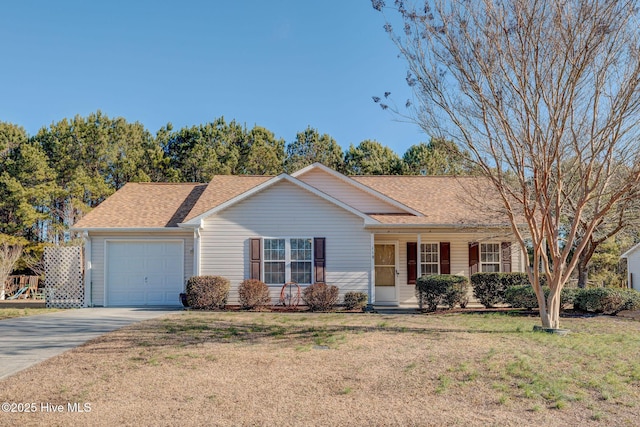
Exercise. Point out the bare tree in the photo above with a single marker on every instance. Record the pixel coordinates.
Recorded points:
(9, 255)
(545, 95)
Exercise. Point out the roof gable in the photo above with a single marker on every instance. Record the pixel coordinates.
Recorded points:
(630, 251)
(344, 188)
(195, 220)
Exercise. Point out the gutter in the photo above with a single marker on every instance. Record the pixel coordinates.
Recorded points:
(131, 229)
(438, 226)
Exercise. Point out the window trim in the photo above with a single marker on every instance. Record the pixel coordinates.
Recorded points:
(437, 262)
(481, 263)
(287, 258)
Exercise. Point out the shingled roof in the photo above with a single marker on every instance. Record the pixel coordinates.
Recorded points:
(443, 200)
(223, 188)
(144, 205)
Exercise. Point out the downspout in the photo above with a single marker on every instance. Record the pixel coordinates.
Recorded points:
(88, 291)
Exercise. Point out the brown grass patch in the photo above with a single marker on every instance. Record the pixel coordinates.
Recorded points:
(238, 368)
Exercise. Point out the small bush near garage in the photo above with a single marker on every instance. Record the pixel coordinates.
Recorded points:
(490, 288)
(442, 289)
(207, 292)
(607, 300)
(355, 300)
(320, 296)
(253, 294)
(525, 297)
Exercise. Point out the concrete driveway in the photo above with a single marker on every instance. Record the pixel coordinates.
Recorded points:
(25, 341)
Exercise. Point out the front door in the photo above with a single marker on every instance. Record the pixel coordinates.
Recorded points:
(386, 271)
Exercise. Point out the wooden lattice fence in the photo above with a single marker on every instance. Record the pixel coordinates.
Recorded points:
(63, 282)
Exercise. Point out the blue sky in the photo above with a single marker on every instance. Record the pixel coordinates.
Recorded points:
(281, 64)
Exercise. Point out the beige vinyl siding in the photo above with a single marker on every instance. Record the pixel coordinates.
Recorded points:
(286, 210)
(98, 256)
(459, 253)
(346, 193)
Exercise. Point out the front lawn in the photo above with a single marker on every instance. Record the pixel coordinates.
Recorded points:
(238, 368)
(7, 313)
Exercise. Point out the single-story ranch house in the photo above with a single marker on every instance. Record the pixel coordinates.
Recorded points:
(372, 234)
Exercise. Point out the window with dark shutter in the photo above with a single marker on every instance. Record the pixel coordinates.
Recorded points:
(255, 251)
(319, 259)
(445, 258)
(506, 257)
(412, 263)
(474, 257)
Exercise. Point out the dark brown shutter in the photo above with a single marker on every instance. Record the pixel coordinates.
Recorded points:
(412, 263)
(506, 257)
(445, 258)
(474, 257)
(319, 259)
(255, 256)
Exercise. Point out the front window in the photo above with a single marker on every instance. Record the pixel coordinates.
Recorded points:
(490, 257)
(301, 260)
(429, 259)
(287, 260)
(274, 260)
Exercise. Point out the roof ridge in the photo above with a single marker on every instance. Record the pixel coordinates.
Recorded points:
(167, 183)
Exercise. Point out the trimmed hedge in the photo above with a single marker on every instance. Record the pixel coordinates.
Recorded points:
(207, 292)
(607, 300)
(320, 296)
(489, 288)
(355, 300)
(253, 294)
(442, 289)
(524, 296)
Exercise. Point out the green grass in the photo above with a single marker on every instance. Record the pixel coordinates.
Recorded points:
(7, 313)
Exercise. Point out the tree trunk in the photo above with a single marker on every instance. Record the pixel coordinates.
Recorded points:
(553, 308)
(583, 273)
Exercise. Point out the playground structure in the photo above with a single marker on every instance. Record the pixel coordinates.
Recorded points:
(23, 287)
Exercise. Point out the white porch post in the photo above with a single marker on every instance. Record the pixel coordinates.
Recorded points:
(372, 275)
(196, 250)
(88, 300)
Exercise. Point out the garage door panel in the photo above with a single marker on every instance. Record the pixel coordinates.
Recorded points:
(144, 273)
(158, 298)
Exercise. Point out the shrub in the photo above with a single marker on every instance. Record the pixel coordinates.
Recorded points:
(253, 294)
(207, 292)
(524, 296)
(607, 300)
(488, 288)
(355, 300)
(521, 296)
(320, 296)
(515, 279)
(442, 289)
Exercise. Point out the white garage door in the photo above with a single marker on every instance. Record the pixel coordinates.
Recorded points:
(144, 273)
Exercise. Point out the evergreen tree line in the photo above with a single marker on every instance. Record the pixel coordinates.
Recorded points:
(50, 180)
